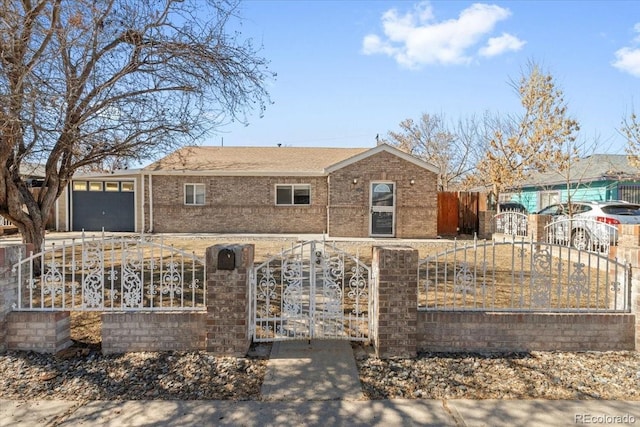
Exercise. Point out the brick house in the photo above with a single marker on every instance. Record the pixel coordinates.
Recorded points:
(344, 192)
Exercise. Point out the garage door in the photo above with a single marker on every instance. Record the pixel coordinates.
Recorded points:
(98, 205)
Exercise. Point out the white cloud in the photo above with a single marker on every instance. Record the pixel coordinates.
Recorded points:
(373, 44)
(628, 58)
(499, 45)
(628, 61)
(416, 38)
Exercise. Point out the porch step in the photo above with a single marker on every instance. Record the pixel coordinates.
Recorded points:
(316, 370)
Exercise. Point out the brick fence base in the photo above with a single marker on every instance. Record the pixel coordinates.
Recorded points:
(460, 331)
(43, 332)
(125, 332)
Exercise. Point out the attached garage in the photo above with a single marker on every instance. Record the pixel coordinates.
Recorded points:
(103, 204)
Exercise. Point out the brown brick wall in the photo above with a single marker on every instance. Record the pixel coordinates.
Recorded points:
(628, 249)
(146, 331)
(396, 292)
(228, 302)
(460, 331)
(485, 224)
(44, 332)
(416, 205)
(236, 205)
(9, 255)
(535, 227)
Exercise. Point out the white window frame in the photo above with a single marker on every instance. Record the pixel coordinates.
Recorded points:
(195, 186)
(109, 186)
(547, 195)
(80, 185)
(96, 186)
(293, 188)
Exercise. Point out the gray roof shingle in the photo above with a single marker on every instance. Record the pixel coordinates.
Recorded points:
(253, 160)
(597, 167)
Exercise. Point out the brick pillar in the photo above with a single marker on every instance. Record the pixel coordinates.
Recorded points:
(535, 227)
(39, 331)
(228, 301)
(9, 255)
(396, 291)
(485, 224)
(629, 250)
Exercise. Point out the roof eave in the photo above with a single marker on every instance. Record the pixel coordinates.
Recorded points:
(187, 172)
(378, 149)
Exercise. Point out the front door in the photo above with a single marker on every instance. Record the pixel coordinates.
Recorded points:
(382, 209)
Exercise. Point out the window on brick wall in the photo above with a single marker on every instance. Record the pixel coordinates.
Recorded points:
(194, 194)
(293, 194)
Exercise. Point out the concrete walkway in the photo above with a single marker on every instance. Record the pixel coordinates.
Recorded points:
(316, 384)
(316, 370)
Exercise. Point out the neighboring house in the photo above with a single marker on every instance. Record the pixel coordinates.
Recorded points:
(32, 173)
(350, 192)
(598, 177)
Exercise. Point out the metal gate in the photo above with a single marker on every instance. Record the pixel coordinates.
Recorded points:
(312, 291)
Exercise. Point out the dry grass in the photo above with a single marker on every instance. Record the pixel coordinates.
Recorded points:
(498, 280)
(264, 247)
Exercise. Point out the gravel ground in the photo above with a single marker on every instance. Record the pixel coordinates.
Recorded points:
(83, 373)
(535, 375)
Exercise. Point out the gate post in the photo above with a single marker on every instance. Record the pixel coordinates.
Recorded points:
(485, 224)
(395, 269)
(9, 255)
(228, 299)
(629, 250)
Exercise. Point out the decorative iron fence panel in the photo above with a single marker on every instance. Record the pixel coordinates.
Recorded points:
(313, 290)
(111, 273)
(582, 233)
(523, 276)
(511, 223)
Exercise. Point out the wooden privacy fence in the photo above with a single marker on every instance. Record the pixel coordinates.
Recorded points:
(458, 212)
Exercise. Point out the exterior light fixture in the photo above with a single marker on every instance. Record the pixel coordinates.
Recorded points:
(413, 181)
(355, 180)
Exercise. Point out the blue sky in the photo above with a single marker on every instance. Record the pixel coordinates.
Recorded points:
(348, 70)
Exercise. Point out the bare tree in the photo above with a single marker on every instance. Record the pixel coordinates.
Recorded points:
(84, 82)
(631, 131)
(543, 137)
(453, 152)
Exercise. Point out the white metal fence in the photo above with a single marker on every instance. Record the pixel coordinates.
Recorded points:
(312, 291)
(582, 233)
(511, 223)
(522, 276)
(111, 273)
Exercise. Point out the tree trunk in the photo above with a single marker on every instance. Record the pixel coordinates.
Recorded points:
(32, 235)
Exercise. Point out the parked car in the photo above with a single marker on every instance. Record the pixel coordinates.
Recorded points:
(512, 207)
(588, 224)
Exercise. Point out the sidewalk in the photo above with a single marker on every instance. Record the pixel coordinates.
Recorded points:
(316, 384)
(397, 412)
